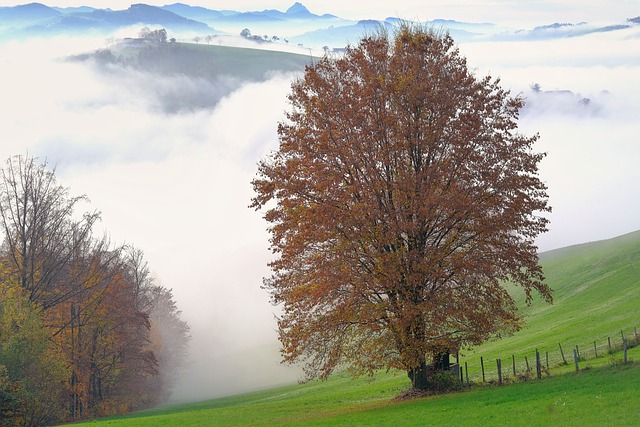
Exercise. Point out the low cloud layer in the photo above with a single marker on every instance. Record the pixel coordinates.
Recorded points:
(177, 183)
(592, 150)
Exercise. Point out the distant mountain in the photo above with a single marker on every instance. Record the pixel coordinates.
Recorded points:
(37, 18)
(296, 24)
(80, 9)
(26, 14)
(293, 13)
(340, 36)
(298, 8)
(106, 20)
(297, 11)
(269, 20)
(196, 13)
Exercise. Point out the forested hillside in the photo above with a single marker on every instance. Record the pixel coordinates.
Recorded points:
(84, 329)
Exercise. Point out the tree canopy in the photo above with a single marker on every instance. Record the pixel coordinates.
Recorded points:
(400, 200)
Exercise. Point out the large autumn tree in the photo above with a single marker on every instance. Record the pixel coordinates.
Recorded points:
(400, 201)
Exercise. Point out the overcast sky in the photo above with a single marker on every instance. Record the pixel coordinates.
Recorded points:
(178, 185)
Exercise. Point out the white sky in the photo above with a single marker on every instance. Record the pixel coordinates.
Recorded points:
(177, 186)
(518, 13)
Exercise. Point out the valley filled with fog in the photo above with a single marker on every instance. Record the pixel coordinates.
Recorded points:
(176, 181)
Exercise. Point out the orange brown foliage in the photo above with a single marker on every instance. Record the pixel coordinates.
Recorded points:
(400, 200)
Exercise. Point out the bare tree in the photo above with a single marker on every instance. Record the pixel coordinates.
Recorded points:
(41, 234)
(138, 269)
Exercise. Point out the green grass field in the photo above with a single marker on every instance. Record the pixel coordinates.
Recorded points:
(596, 295)
(246, 63)
(213, 61)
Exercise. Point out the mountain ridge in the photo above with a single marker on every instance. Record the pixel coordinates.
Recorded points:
(297, 23)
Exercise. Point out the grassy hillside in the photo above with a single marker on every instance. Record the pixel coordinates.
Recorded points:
(606, 394)
(211, 61)
(596, 294)
(192, 76)
(246, 63)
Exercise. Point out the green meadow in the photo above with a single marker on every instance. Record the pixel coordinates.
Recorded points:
(212, 61)
(596, 297)
(246, 63)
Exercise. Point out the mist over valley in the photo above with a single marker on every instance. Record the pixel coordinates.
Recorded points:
(164, 139)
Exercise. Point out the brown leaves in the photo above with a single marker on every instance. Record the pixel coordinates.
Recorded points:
(89, 303)
(400, 198)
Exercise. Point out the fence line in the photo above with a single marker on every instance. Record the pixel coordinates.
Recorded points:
(479, 368)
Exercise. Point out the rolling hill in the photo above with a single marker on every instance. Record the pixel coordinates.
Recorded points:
(596, 295)
(297, 24)
(201, 74)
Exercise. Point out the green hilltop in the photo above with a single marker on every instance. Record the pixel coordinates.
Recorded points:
(596, 296)
(210, 61)
(202, 74)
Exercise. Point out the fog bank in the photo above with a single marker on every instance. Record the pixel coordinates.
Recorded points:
(176, 183)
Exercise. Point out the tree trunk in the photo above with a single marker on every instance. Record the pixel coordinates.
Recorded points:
(419, 376)
(441, 362)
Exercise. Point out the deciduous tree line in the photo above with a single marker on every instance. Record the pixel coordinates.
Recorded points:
(84, 330)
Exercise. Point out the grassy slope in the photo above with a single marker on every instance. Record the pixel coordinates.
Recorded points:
(247, 63)
(596, 294)
(212, 61)
(604, 395)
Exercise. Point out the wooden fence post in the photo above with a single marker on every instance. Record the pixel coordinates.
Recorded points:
(575, 359)
(513, 359)
(482, 366)
(609, 341)
(578, 351)
(562, 354)
(538, 365)
(547, 357)
(595, 349)
(466, 372)
(527, 362)
(499, 363)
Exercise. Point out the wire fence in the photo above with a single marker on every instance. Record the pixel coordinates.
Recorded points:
(536, 364)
